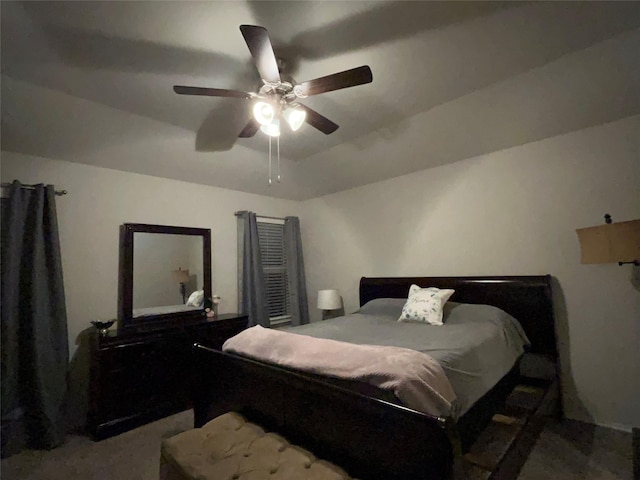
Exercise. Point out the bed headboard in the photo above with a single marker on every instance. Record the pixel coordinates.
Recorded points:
(527, 298)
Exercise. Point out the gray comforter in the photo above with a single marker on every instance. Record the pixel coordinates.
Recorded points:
(476, 346)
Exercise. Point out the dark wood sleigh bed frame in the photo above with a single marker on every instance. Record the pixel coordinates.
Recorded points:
(371, 438)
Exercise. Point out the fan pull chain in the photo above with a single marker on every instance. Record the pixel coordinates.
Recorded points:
(278, 145)
(269, 160)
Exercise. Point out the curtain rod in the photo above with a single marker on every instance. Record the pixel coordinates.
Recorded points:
(237, 214)
(32, 187)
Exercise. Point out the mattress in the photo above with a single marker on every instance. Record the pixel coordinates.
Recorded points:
(476, 346)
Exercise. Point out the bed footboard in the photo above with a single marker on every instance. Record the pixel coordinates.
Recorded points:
(369, 438)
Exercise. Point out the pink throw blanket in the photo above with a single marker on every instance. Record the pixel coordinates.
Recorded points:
(415, 378)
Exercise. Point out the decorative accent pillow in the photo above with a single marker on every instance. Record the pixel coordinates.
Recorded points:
(196, 299)
(425, 305)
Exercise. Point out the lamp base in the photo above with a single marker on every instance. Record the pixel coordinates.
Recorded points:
(329, 314)
(183, 291)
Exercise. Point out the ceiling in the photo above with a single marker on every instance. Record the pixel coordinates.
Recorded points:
(91, 82)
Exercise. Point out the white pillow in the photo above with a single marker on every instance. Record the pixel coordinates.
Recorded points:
(425, 305)
(196, 299)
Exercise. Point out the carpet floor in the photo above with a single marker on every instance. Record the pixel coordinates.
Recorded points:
(566, 450)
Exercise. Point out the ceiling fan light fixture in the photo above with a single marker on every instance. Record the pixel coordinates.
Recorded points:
(263, 112)
(295, 117)
(275, 100)
(272, 129)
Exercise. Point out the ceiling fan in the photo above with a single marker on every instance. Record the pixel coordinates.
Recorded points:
(278, 98)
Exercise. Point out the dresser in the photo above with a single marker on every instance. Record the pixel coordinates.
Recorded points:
(138, 377)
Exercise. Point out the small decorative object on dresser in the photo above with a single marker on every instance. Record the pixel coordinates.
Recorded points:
(138, 377)
(103, 327)
(216, 301)
(211, 306)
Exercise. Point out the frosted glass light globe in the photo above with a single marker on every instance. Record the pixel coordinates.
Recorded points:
(295, 117)
(263, 112)
(272, 129)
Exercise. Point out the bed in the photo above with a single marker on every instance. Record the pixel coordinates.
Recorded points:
(367, 434)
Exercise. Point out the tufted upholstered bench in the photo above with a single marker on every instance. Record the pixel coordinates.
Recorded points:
(231, 448)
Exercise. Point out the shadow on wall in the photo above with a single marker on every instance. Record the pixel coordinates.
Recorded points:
(635, 278)
(78, 383)
(569, 392)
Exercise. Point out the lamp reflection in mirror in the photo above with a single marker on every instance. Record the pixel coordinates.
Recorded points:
(610, 243)
(329, 300)
(182, 277)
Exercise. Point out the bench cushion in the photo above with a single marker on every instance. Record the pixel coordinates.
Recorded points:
(230, 448)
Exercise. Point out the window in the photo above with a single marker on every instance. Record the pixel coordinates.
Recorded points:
(271, 236)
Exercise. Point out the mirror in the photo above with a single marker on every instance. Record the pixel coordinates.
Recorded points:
(165, 274)
(167, 269)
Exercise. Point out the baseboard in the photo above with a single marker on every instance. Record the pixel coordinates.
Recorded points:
(615, 426)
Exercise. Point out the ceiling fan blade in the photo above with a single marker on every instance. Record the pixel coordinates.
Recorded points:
(249, 129)
(210, 92)
(257, 39)
(346, 79)
(318, 121)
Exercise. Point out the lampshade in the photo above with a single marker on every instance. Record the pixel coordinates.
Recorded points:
(329, 300)
(263, 113)
(181, 276)
(610, 243)
(295, 117)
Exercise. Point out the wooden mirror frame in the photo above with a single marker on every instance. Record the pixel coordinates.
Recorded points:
(152, 322)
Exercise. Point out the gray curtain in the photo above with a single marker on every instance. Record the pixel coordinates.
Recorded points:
(252, 290)
(35, 352)
(295, 272)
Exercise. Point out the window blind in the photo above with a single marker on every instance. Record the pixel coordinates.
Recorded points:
(271, 236)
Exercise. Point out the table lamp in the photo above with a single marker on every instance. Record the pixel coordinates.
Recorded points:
(182, 277)
(329, 300)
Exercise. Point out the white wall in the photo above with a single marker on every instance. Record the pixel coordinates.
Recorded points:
(511, 212)
(100, 200)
